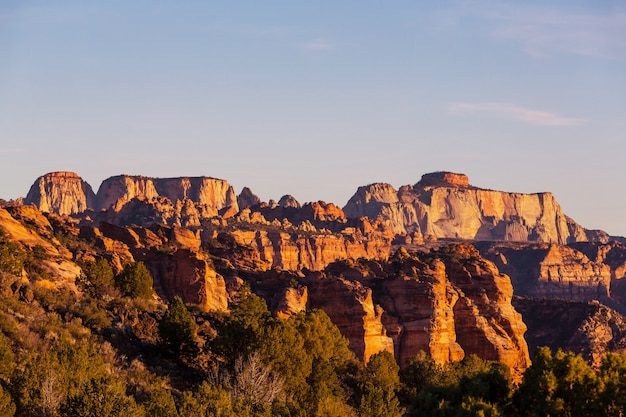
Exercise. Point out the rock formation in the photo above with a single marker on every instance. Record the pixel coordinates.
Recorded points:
(114, 192)
(33, 232)
(61, 193)
(612, 254)
(288, 201)
(550, 270)
(588, 328)
(311, 250)
(449, 303)
(444, 205)
(352, 310)
(247, 199)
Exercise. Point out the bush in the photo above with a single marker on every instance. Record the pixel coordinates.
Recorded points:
(135, 281)
(177, 330)
(12, 258)
(97, 278)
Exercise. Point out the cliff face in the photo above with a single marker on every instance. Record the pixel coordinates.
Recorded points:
(588, 328)
(352, 310)
(549, 270)
(314, 250)
(127, 199)
(61, 193)
(32, 231)
(612, 254)
(184, 198)
(173, 257)
(448, 303)
(444, 205)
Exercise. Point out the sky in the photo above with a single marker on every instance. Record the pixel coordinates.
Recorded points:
(315, 99)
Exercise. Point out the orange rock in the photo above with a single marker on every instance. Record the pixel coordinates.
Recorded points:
(61, 193)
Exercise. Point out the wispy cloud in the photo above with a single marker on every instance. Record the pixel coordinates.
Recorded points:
(316, 45)
(543, 31)
(255, 31)
(515, 112)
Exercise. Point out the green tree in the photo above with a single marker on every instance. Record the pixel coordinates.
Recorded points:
(177, 330)
(473, 387)
(613, 377)
(420, 371)
(160, 403)
(7, 406)
(97, 278)
(241, 334)
(562, 384)
(210, 401)
(12, 257)
(102, 397)
(46, 378)
(377, 391)
(135, 281)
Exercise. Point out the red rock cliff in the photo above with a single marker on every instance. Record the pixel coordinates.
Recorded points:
(444, 205)
(61, 193)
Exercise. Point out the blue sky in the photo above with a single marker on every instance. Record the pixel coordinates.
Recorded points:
(315, 99)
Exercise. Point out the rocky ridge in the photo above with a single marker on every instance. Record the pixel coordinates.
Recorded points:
(61, 193)
(201, 241)
(444, 205)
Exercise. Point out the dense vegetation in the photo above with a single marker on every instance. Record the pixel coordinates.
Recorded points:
(109, 349)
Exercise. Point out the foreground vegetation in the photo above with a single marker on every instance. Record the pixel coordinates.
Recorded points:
(109, 349)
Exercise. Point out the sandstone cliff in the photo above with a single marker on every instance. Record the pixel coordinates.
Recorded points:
(31, 230)
(444, 205)
(588, 328)
(448, 303)
(299, 249)
(612, 254)
(173, 257)
(62, 193)
(204, 192)
(550, 270)
(247, 199)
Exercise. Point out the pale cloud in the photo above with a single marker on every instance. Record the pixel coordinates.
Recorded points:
(316, 45)
(543, 31)
(515, 112)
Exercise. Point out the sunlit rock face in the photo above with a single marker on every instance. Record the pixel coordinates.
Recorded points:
(550, 270)
(449, 303)
(445, 205)
(116, 191)
(183, 201)
(62, 193)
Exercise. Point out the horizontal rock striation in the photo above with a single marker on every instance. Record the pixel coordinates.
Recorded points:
(203, 192)
(444, 205)
(62, 193)
(589, 328)
(448, 303)
(550, 270)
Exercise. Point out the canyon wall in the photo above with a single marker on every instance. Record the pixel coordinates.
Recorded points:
(445, 205)
(550, 270)
(61, 193)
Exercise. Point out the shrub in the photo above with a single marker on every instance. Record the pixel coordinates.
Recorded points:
(135, 281)
(177, 330)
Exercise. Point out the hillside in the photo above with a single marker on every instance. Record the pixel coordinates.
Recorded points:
(441, 269)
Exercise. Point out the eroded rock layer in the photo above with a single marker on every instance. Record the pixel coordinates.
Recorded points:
(549, 270)
(444, 205)
(61, 193)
